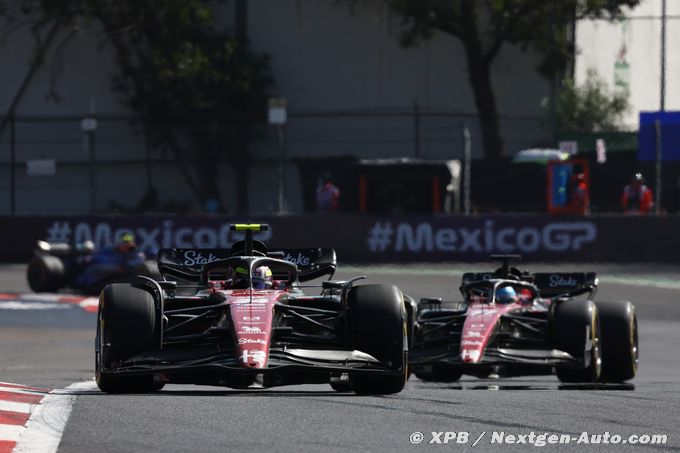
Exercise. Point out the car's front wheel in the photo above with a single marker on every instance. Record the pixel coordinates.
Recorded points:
(576, 330)
(378, 325)
(126, 326)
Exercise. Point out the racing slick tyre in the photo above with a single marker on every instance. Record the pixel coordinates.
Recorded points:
(126, 326)
(440, 372)
(343, 387)
(378, 326)
(618, 325)
(45, 274)
(576, 330)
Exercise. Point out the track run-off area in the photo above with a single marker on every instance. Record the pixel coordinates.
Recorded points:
(47, 367)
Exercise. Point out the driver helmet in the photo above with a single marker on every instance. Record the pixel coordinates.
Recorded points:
(638, 179)
(126, 242)
(262, 278)
(506, 295)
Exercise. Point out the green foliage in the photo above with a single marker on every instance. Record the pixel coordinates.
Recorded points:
(590, 107)
(484, 26)
(200, 92)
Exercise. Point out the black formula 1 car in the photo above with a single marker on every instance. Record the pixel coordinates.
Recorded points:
(517, 323)
(82, 268)
(199, 327)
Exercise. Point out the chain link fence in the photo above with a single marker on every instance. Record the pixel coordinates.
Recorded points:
(49, 164)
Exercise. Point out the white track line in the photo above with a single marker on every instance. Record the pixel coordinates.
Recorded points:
(47, 422)
(16, 305)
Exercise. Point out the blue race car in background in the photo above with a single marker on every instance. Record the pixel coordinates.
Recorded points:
(84, 269)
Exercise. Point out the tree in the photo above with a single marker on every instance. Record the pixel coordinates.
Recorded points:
(590, 107)
(484, 26)
(200, 93)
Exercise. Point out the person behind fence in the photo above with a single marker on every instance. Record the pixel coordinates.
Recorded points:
(579, 199)
(637, 198)
(327, 195)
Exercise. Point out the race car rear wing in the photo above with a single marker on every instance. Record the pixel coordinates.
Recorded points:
(186, 264)
(565, 283)
(549, 284)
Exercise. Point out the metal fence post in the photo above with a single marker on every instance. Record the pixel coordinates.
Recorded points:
(12, 164)
(467, 170)
(659, 156)
(93, 169)
(416, 129)
(282, 169)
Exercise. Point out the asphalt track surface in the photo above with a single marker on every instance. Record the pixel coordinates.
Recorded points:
(54, 348)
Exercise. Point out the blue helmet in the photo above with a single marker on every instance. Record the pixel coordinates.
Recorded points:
(506, 295)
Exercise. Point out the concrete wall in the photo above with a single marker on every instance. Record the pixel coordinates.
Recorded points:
(324, 59)
(600, 43)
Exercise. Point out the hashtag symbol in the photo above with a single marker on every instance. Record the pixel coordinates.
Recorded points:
(59, 232)
(380, 236)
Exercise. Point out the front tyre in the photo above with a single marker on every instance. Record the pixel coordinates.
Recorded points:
(378, 326)
(126, 326)
(618, 323)
(576, 330)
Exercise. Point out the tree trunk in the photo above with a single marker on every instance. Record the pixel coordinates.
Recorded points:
(479, 72)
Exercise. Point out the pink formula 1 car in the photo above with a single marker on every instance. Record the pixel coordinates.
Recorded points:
(516, 323)
(200, 325)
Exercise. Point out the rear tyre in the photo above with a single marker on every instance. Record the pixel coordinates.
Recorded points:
(342, 387)
(126, 326)
(378, 324)
(618, 324)
(45, 274)
(576, 330)
(441, 372)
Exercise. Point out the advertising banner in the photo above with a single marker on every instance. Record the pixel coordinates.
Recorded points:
(372, 239)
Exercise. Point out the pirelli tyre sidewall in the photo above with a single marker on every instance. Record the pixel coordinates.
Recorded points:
(126, 326)
(45, 274)
(620, 350)
(576, 330)
(378, 327)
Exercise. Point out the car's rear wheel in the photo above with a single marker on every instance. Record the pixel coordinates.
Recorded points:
(378, 325)
(576, 330)
(45, 274)
(342, 386)
(126, 326)
(618, 323)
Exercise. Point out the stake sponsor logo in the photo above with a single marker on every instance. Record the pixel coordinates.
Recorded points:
(560, 280)
(299, 260)
(193, 258)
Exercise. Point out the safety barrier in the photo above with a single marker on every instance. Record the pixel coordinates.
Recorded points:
(372, 239)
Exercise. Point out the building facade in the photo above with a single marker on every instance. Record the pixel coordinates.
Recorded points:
(351, 90)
